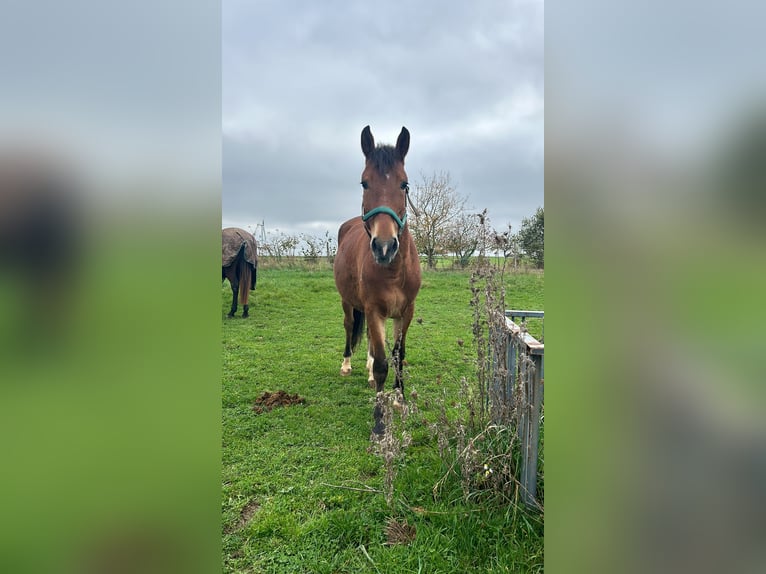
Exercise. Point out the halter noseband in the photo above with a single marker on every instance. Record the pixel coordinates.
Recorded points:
(388, 211)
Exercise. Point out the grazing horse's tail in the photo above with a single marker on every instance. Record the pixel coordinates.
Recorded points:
(245, 276)
(358, 329)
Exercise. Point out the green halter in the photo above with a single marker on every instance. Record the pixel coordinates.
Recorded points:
(388, 211)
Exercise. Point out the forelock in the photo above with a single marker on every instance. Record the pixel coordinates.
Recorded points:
(383, 158)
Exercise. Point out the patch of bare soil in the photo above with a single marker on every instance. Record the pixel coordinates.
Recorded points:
(399, 532)
(245, 516)
(268, 401)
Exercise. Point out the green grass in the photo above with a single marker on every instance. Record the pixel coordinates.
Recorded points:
(296, 468)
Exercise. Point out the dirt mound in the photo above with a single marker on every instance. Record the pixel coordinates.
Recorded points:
(268, 401)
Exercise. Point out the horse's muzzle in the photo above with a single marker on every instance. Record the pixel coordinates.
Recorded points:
(384, 251)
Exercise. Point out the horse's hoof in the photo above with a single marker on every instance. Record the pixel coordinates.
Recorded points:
(230, 315)
(345, 372)
(245, 315)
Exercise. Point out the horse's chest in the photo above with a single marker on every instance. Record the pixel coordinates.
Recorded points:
(391, 303)
(395, 303)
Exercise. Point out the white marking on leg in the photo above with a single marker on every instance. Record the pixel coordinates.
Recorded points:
(345, 368)
(380, 332)
(370, 361)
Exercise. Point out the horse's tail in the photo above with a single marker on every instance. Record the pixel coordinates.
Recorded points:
(358, 329)
(245, 277)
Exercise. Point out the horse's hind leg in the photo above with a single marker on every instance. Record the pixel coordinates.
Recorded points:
(234, 289)
(245, 279)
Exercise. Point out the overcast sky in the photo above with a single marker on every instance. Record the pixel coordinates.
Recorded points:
(302, 78)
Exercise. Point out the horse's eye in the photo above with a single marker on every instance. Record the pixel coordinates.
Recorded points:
(364, 185)
(405, 186)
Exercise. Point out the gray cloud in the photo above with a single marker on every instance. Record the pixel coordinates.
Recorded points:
(301, 79)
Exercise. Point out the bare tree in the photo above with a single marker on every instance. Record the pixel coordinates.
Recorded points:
(330, 246)
(314, 247)
(463, 238)
(311, 248)
(438, 207)
(279, 244)
(507, 243)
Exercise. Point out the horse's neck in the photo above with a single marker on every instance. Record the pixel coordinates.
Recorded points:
(404, 246)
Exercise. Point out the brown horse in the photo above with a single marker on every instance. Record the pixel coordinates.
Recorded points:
(239, 265)
(377, 271)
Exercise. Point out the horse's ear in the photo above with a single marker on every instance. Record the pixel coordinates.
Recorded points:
(403, 143)
(368, 142)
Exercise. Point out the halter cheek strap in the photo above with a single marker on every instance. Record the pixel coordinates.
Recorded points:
(388, 211)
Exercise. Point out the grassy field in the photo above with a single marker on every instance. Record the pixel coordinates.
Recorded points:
(303, 490)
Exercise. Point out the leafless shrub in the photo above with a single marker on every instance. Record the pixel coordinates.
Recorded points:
(478, 438)
(482, 448)
(395, 438)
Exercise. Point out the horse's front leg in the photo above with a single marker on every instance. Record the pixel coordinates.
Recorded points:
(348, 325)
(401, 326)
(377, 334)
(370, 361)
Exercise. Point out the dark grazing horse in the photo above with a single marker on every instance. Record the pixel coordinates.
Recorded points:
(42, 249)
(377, 271)
(239, 265)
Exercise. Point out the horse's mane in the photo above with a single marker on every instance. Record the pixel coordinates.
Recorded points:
(383, 158)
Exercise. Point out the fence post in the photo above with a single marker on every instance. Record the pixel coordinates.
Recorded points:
(510, 363)
(532, 432)
(524, 384)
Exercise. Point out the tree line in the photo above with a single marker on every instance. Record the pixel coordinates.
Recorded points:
(442, 226)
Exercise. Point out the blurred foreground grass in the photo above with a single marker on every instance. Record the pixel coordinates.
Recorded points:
(111, 424)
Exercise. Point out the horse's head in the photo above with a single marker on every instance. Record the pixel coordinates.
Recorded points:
(384, 200)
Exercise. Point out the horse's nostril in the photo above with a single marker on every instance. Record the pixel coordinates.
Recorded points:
(384, 249)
